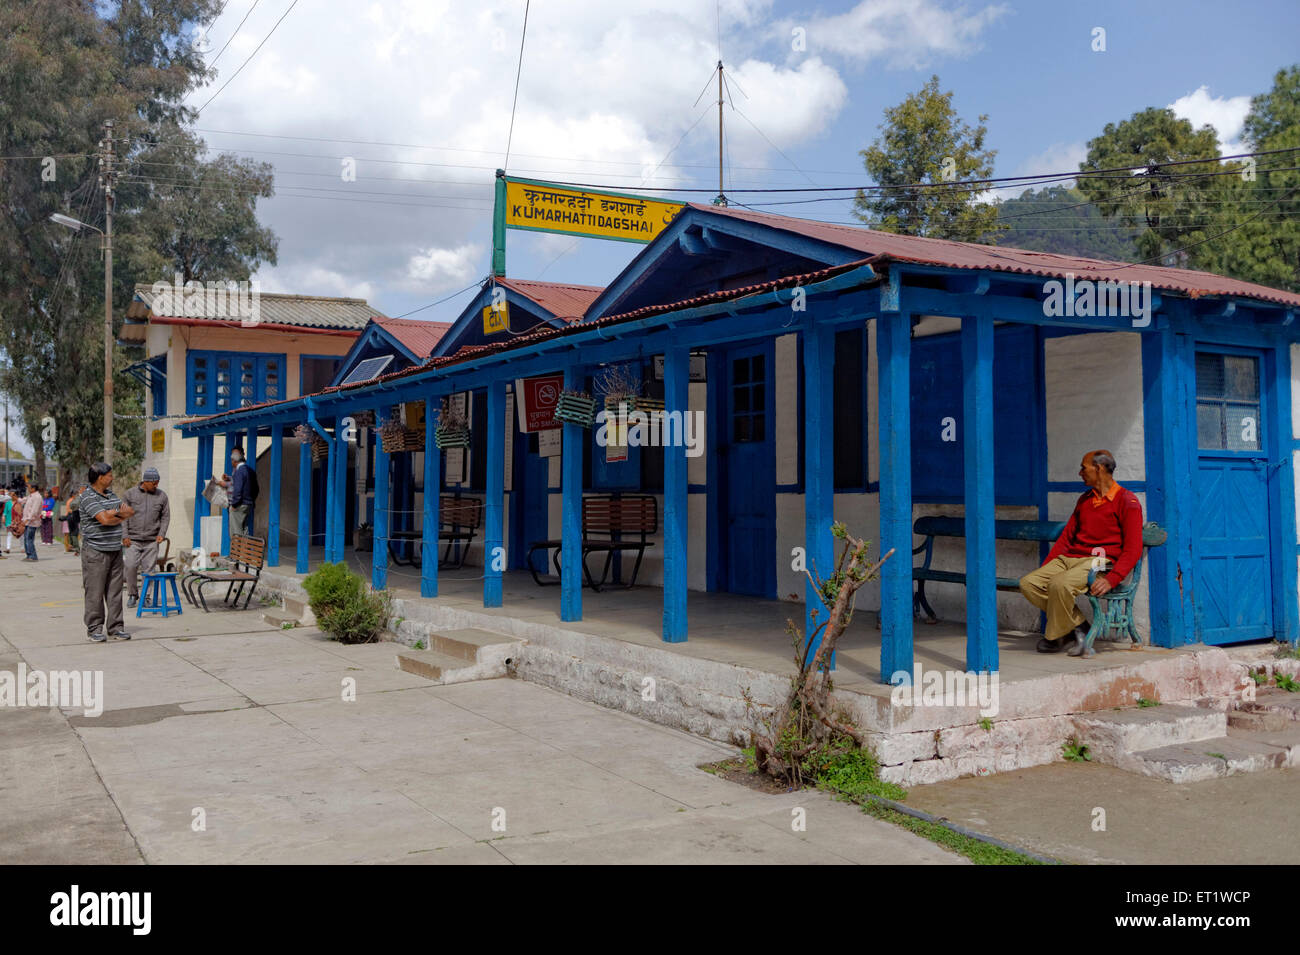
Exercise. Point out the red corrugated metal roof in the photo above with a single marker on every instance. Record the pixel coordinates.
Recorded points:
(418, 336)
(967, 255)
(566, 302)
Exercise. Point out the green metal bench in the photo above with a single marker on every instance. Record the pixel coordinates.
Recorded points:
(1117, 615)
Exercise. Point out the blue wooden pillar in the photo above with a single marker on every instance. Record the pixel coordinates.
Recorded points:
(819, 471)
(676, 502)
(1277, 394)
(273, 502)
(978, 460)
(331, 478)
(432, 492)
(494, 506)
(575, 436)
(225, 514)
(304, 508)
(893, 351)
(1169, 422)
(203, 471)
(338, 502)
(250, 455)
(383, 518)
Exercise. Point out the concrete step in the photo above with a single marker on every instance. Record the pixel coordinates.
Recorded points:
(278, 618)
(299, 609)
(1238, 751)
(1273, 709)
(464, 644)
(430, 664)
(1113, 735)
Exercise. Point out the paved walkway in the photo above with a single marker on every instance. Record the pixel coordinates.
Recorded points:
(222, 719)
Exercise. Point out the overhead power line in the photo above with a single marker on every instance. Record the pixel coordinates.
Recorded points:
(250, 58)
(519, 70)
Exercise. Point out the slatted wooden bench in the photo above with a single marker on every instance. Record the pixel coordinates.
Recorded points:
(1118, 613)
(610, 525)
(459, 520)
(247, 556)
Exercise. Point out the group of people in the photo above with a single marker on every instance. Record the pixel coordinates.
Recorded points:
(26, 508)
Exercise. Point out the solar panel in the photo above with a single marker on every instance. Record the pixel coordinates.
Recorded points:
(367, 370)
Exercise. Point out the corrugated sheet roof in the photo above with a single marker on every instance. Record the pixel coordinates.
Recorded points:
(568, 303)
(967, 255)
(418, 336)
(306, 311)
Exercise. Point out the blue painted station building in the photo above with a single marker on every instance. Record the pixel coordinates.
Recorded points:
(854, 376)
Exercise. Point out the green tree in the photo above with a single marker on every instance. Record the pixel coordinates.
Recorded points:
(65, 67)
(1171, 206)
(924, 141)
(1261, 206)
(1060, 219)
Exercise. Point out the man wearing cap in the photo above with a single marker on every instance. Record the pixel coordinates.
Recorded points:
(145, 530)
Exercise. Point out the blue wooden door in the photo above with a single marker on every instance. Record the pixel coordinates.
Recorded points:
(1233, 602)
(749, 508)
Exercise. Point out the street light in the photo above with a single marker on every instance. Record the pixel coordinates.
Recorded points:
(77, 225)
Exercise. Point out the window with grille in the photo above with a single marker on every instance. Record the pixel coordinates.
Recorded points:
(219, 381)
(1227, 402)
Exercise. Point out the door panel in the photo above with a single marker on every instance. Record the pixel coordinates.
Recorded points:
(1234, 601)
(749, 509)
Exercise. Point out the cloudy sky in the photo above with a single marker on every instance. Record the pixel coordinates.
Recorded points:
(418, 94)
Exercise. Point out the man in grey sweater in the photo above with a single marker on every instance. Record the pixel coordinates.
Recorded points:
(145, 530)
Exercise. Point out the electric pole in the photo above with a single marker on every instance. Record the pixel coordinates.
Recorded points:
(106, 180)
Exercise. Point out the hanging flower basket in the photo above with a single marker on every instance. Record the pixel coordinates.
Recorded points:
(576, 407)
(633, 403)
(303, 434)
(320, 448)
(451, 437)
(396, 438)
(364, 419)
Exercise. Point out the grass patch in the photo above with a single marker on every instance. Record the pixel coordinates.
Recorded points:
(980, 853)
(1286, 682)
(1143, 702)
(1285, 652)
(1259, 676)
(986, 724)
(855, 774)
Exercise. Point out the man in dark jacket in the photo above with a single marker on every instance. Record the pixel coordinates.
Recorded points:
(241, 484)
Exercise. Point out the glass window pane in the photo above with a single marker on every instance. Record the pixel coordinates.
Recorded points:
(1241, 425)
(1241, 374)
(1209, 376)
(759, 374)
(756, 432)
(740, 399)
(740, 371)
(740, 429)
(1209, 425)
(760, 400)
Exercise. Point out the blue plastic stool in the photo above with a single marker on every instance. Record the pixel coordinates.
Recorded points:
(154, 592)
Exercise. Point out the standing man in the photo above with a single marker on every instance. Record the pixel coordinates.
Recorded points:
(144, 531)
(102, 517)
(242, 485)
(1105, 533)
(7, 502)
(33, 504)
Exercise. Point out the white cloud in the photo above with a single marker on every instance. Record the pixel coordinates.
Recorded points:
(439, 270)
(906, 34)
(1227, 114)
(1058, 157)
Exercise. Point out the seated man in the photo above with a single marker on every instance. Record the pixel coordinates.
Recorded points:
(1106, 527)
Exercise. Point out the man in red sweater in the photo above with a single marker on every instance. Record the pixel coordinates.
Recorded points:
(1105, 531)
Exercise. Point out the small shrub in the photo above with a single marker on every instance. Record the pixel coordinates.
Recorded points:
(345, 607)
(1259, 676)
(1286, 682)
(986, 724)
(1075, 751)
(1143, 702)
(854, 774)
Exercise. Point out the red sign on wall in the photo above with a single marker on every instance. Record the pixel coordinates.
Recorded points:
(540, 396)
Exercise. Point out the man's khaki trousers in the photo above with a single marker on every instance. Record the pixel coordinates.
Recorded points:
(101, 579)
(1053, 588)
(139, 558)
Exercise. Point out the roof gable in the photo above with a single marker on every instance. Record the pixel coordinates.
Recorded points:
(529, 304)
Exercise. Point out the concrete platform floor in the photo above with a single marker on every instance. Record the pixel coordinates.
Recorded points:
(222, 713)
(739, 630)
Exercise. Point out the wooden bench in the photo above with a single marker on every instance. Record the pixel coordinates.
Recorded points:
(247, 555)
(1118, 613)
(459, 520)
(610, 525)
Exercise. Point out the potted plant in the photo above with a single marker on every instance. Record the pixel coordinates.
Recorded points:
(453, 427)
(576, 407)
(621, 386)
